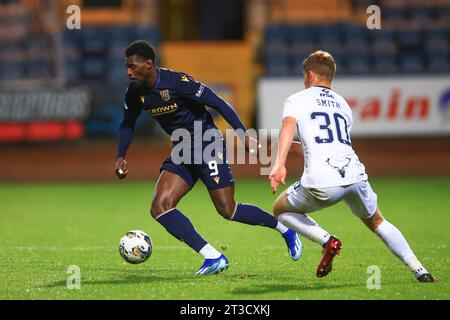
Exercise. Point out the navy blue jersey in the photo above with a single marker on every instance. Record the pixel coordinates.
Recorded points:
(175, 101)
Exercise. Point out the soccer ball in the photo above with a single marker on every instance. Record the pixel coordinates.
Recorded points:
(135, 246)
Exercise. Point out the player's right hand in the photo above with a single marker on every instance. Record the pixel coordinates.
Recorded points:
(277, 176)
(121, 168)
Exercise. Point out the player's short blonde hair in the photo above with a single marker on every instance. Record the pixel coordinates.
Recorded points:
(322, 63)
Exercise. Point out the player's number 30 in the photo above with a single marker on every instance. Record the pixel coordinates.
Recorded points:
(326, 127)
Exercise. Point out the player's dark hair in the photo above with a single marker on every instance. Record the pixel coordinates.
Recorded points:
(322, 63)
(142, 49)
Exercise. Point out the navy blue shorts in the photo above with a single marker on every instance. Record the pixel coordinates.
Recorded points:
(215, 173)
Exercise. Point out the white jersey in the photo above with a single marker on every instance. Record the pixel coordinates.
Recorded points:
(324, 121)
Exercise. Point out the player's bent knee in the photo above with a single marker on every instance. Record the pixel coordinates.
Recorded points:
(277, 209)
(160, 206)
(226, 211)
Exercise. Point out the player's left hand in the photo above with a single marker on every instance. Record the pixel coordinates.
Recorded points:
(277, 176)
(121, 168)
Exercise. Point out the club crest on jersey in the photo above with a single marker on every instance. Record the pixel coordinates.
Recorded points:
(165, 95)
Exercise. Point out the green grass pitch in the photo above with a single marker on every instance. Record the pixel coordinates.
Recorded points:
(45, 228)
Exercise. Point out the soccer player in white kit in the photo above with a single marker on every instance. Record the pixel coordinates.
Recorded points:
(332, 170)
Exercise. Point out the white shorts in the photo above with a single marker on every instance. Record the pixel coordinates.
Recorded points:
(360, 197)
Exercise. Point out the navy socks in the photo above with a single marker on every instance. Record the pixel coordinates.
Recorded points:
(250, 214)
(179, 226)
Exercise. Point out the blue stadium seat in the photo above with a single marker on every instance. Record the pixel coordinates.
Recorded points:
(356, 63)
(276, 33)
(12, 70)
(96, 53)
(94, 69)
(383, 42)
(150, 34)
(393, 14)
(95, 41)
(301, 33)
(436, 40)
(339, 58)
(405, 48)
(385, 63)
(72, 71)
(355, 39)
(438, 62)
(277, 65)
(357, 46)
(117, 71)
(421, 13)
(330, 31)
(350, 30)
(330, 38)
(407, 38)
(443, 12)
(302, 40)
(412, 63)
(40, 68)
(276, 41)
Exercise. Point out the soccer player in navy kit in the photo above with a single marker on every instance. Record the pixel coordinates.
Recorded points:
(176, 100)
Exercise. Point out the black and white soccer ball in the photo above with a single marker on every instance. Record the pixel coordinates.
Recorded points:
(135, 246)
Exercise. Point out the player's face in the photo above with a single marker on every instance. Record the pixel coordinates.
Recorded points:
(138, 69)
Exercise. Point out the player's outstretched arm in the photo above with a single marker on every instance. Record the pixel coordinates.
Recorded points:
(278, 173)
(226, 110)
(132, 110)
(199, 92)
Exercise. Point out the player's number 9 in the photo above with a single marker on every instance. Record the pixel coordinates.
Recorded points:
(213, 166)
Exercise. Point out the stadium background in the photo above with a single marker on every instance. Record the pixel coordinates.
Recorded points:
(62, 90)
(61, 101)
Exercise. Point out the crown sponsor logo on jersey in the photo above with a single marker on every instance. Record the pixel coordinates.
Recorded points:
(216, 179)
(142, 99)
(165, 95)
(157, 111)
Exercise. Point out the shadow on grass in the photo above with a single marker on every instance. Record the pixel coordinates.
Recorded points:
(139, 279)
(262, 289)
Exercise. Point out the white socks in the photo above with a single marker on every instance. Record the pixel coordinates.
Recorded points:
(394, 239)
(281, 228)
(304, 225)
(391, 236)
(208, 252)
